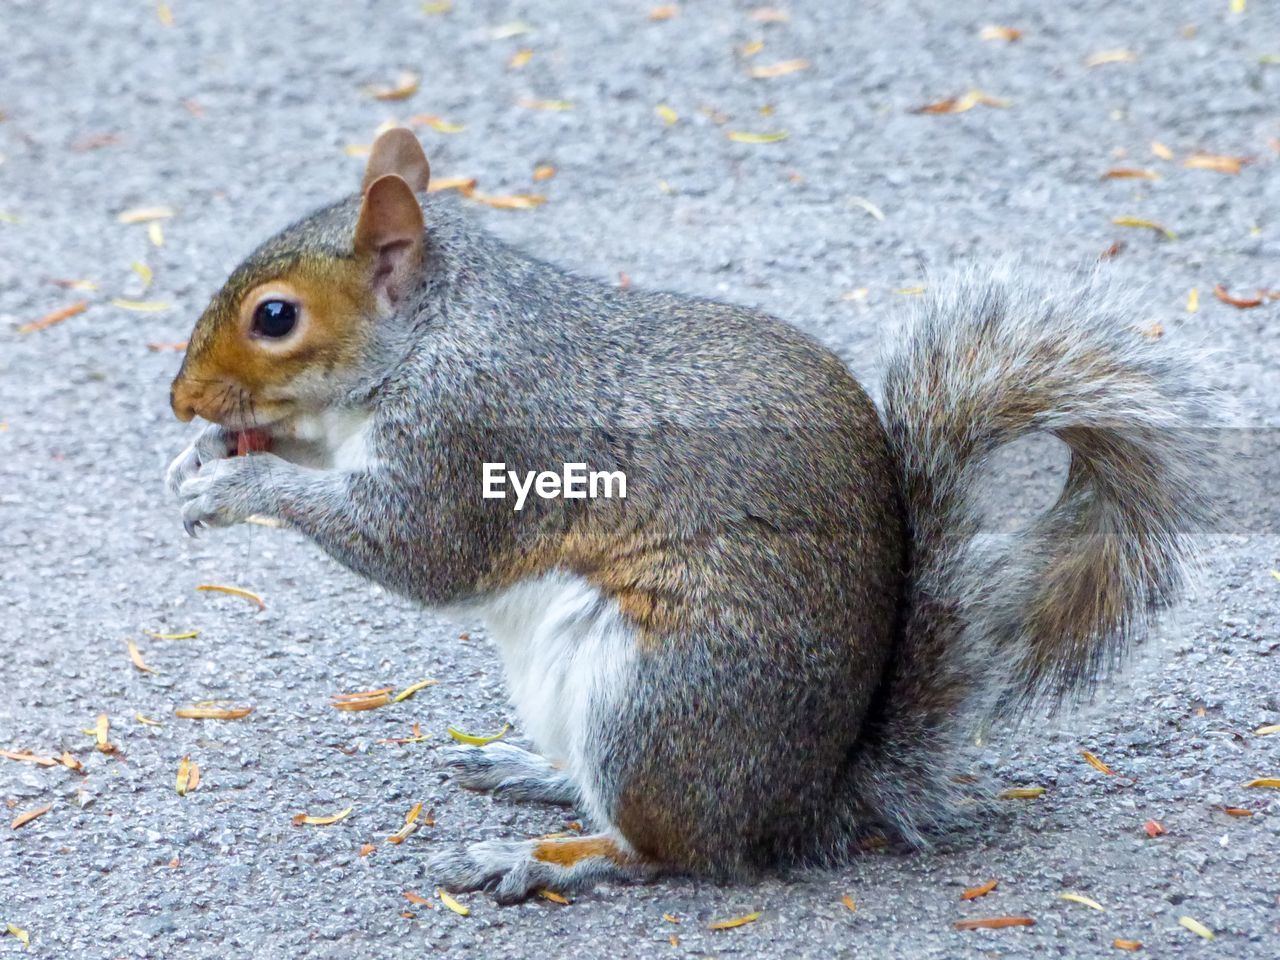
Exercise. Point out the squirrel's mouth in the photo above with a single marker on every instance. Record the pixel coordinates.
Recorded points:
(252, 440)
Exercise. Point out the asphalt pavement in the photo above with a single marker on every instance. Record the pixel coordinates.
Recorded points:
(236, 118)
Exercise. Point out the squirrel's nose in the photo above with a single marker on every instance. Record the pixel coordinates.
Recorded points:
(182, 401)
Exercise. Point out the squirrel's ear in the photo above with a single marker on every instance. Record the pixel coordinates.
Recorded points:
(397, 151)
(390, 232)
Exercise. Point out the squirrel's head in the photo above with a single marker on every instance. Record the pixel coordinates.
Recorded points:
(293, 319)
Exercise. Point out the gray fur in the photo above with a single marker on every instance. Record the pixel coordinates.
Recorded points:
(830, 636)
(511, 773)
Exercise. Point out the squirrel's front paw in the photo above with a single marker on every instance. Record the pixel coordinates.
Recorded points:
(228, 491)
(214, 443)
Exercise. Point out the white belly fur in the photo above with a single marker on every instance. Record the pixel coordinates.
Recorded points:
(568, 653)
(332, 440)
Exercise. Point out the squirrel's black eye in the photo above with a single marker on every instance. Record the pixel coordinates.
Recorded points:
(275, 318)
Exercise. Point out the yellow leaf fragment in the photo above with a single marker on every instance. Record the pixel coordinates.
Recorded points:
(1161, 151)
(213, 713)
(1196, 927)
(1238, 6)
(739, 137)
(413, 688)
(438, 8)
(15, 931)
(188, 635)
(1272, 783)
(849, 902)
(665, 12)
(410, 825)
(963, 104)
(23, 819)
(515, 201)
(1193, 300)
(749, 50)
(164, 14)
(553, 105)
(670, 918)
(769, 15)
(1083, 901)
(513, 29)
(453, 904)
(996, 32)
(1215, 161)
(140, 306)
(478, 741)
(147, 721)
(370, 701)
(144, 214)
(520, 59)
(544, 171)
(669, 116)
(184, 776)
(734, 922)
(358, 149)
(1130, 945)
(1267, 730)
(144, 272)
(463, 184)
(974, 893)
(155, 233)
(405, 86)
(135, 655)
(438, 124)
(1145, 224)
(780, 69)
(910, 291)
(1097, 764)
(553, 897)
(29, 758)
(234, 592)
(1130, 173)
(101, 731)
(309, 820)
(1103, 57)
(1022, 793)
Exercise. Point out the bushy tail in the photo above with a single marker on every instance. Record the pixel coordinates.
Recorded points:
(995, 624)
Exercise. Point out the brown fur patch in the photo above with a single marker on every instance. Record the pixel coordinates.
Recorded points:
(567, 852)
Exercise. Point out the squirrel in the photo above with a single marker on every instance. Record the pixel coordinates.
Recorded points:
(777, 644)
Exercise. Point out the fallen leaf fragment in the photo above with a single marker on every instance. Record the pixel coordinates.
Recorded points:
(213, 713)
(1081, 899)
(996, 32)
(367, 848)
(1130, 173)
(1103, 57)
(465, 184)
(147, 721)
(233, 591)
(183, 782)
(740, 137)
(669, 116)
(54, 317)
(749, 50)
(29, 758)
(553, 897)
(544, 171)
(1097, 764)
(1196, 927)
(1272, 783)
(164, 14)
(1193, 300)
(1146, 224)
(1240, 303)
(1237, 812)
(973, 893)
(670, 918)
(849, 903)
(15, 931)
(413, 688)
(416, 899)
(453, 904)
(1130, 945)
(994, 923)
(914, 291)
(478, 741)
(101, 732)
(1215, 161)
(155, 233)
(769, 15)
(410, 826)
(1161, 151)
(438, 124)
(308, 819)
(405, 86)
(962, 104)
(513, 29)
(23, 819)
(734, 922)
(1154, 828)
(665, 12)
(1022, 793)
(520, 59)
(70, 762)
(437, 8)
(1267, 730)
(780, 69)
(515, 201)
(144, 272)
(135, 655)
(553, 105)
(144, 214)
(363, 699)
(75, 284)
(187, 635)
(140, 306)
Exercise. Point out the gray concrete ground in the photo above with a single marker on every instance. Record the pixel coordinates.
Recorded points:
(237, 116)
